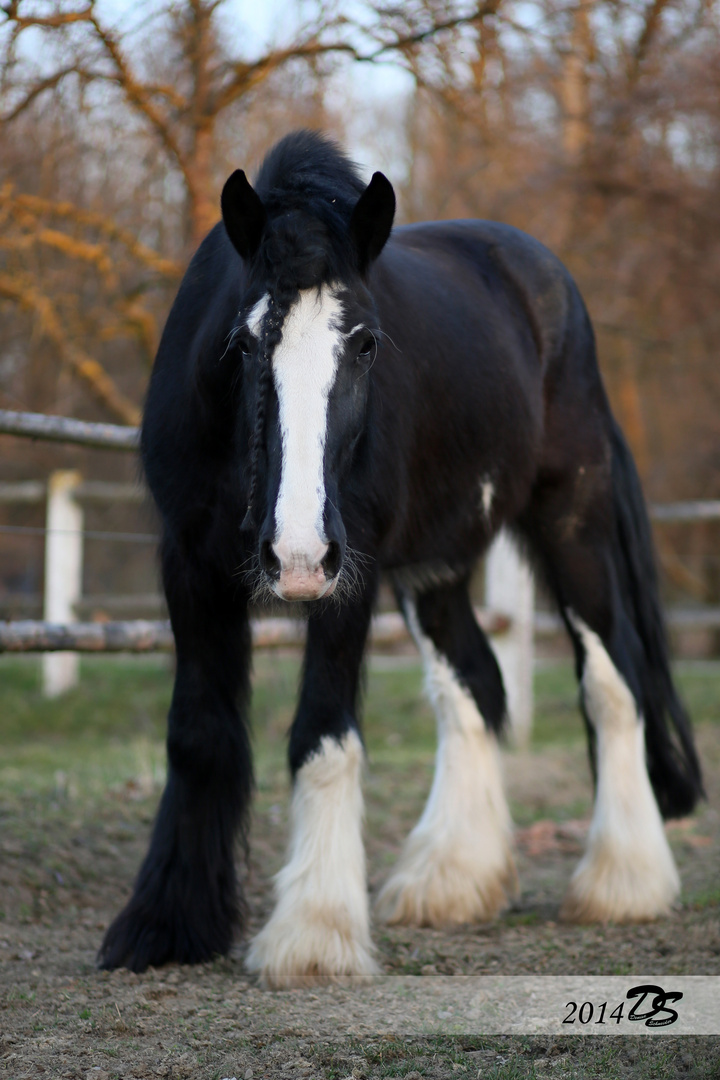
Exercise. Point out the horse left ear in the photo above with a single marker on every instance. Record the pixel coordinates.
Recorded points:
(372, 219)
(243, 214)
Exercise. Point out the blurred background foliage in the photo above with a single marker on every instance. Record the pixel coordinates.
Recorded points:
(592, 124)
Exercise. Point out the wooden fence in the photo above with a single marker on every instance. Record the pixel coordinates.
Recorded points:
(509, 617)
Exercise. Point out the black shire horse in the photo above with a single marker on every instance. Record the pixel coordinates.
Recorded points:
(330, 401)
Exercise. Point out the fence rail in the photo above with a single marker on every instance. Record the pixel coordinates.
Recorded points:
(146, 635)
(38, 636)
(704, 510)
(100, 491)
(64, 429)
(86, 491)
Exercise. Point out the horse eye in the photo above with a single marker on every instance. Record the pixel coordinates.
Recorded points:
(243, 345)
(367, 347)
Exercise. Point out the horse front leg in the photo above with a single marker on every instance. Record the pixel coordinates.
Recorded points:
(186, 905)
(320, 926)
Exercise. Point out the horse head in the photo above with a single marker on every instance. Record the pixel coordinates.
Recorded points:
(306, 330)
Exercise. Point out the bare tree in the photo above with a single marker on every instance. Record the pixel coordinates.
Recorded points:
(167, 91)
(594, 124)
(182, 108)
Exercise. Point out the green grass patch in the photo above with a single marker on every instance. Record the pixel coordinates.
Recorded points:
(123, 696)
(704, 898)
(557, 716)
(699, 686)
(521, 918)
(112, 726)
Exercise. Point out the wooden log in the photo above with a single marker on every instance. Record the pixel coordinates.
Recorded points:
(700, 510)
(138, 635)
(147, 635)
(23, 491)
(65, 429)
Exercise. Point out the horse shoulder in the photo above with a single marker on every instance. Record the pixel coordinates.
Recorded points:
(509, 259)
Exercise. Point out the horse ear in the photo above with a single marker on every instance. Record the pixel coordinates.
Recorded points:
(243, 213)
(372, 219)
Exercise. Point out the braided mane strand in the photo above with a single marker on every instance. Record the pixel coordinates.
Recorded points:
(309, 189)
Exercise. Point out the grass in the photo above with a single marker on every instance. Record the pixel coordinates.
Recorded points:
(113, 724)
(70, 759)
(521, 1058)
(557, 717)
(110, 731)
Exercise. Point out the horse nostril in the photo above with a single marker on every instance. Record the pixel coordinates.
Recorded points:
(269, 560)
(333, 559)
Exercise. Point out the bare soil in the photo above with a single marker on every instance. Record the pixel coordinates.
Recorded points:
(66, 869)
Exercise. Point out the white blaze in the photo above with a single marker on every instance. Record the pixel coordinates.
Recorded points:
(304, 367)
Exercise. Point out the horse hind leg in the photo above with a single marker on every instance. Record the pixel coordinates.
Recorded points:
(456, 865)
(598, 559)
(627, 873)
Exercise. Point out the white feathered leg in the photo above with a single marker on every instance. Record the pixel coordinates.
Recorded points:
(320, 926)
(627, 873)
(456, 865)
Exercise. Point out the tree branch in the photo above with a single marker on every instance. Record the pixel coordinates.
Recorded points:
(23, 292)
(11, 12)
(45, 84)
(651, 25)
(248, 75)
(137, 94)
(37, 205)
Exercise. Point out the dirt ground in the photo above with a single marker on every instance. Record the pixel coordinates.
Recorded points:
(65, 870)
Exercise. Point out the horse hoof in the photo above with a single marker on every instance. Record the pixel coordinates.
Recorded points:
(605, 889)
(136, 941)
(291, 953)
(440, 891)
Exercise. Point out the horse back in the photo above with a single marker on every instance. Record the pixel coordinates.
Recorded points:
(502, 269)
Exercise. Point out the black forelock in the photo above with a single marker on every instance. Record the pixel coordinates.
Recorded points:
(310, 167)
(309, 189)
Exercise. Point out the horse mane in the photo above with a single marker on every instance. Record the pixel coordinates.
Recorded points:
(309, 188)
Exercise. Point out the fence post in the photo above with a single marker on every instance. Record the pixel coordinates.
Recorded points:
(63, 575)
(510, 589)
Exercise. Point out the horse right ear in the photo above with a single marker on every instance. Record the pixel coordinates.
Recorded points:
(243, 214)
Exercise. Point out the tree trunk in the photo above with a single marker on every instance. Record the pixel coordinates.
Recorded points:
(204, 208)
(574, 89)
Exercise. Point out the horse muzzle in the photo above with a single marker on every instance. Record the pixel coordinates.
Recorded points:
(296, 575)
